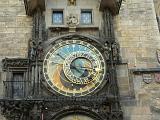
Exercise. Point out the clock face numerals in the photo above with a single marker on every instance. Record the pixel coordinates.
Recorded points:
(74, 68)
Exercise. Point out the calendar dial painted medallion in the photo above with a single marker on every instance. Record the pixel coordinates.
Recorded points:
(74, 68)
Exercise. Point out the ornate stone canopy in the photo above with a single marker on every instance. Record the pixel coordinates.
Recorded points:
(32, 5)
(112, 5)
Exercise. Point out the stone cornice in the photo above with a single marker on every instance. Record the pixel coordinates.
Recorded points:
(32, 5)
(145, 70)
(112, 5)
(14, 63)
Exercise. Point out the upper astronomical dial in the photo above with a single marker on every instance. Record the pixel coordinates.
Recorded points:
(80, 67)
(74, 68)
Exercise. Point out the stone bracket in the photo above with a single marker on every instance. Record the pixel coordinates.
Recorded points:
(32, 5)
(112, 5)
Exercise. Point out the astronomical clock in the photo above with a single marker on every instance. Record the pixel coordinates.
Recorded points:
(70, 70)
(74, 68)
(78, 72)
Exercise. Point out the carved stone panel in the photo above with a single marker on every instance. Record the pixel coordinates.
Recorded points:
(157, 77)
(147, 78)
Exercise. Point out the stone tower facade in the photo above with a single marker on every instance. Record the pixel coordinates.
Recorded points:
(136, 29)
(15, 31)
(16, 28)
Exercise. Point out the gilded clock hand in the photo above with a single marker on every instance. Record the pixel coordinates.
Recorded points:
(74, 67)
(60, 56)
(84, 67)
(88, 68)
(56, 63)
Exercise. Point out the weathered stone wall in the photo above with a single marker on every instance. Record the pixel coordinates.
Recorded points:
(137, 32)
(15, 31)
(157, 9)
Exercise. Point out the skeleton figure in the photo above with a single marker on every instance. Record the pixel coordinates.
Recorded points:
(72, 2)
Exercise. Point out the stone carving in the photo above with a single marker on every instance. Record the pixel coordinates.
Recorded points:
(147, 78)
(16, 110)
(14, 62)
(158, 55)
(32, 50)
(155, 105)
(72, 21)
(157, 77)
(115, 47)
(158, 20)
(72, 2)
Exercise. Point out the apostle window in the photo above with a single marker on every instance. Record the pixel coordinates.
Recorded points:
(57, 17)
(86, 17)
